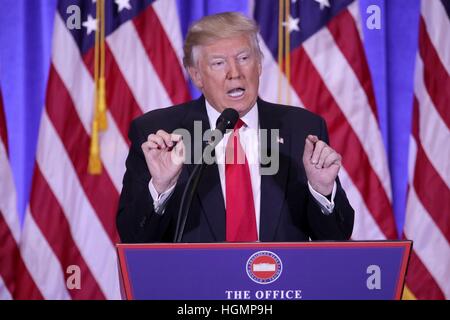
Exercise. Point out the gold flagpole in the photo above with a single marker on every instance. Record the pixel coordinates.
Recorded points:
(287, 52)
(103, 124)
(99, 120)
(280, 47)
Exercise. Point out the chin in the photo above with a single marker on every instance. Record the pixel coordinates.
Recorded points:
(238, 104)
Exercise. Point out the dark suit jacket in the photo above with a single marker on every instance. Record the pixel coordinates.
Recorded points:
(288, 210)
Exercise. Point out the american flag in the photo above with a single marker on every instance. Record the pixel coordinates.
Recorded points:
(329, 75)
(70, 220)
(9, 221)
(11, 263)
(428, 207)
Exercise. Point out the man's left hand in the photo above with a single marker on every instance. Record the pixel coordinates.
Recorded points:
(322, 165)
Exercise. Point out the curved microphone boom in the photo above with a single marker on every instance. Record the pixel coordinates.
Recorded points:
(226, 120)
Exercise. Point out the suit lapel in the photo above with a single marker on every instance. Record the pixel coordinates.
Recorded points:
(209, 190)
(273, 187)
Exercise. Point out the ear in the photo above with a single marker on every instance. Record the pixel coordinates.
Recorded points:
(260, 66)
(196, 77)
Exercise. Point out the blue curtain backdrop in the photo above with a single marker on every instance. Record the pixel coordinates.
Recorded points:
(25, 48)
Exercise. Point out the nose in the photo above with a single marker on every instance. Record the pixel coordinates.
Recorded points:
(234, 70)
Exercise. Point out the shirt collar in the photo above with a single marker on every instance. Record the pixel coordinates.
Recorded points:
(250, 119)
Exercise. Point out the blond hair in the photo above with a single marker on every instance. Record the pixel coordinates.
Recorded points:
(219, 26)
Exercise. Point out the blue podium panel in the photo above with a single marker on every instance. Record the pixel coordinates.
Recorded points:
(265, 271)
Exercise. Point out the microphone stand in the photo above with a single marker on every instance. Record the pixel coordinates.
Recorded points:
(193, 180)
(227, 120)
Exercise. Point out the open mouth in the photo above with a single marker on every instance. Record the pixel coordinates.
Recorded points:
(236, 92)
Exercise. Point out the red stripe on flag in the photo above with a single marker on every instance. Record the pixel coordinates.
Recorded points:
(26, 287)
(313, 92)
(119, 98)
(99, 189)
(9, 253)
(88, 59)
(415, 119)
(346, 35)
(3, 132)
(429, 186)
(436, 78)
(420, 281)
(162, 55)
(431, 189)
(50, 218)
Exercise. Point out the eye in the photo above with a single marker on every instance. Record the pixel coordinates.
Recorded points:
(217, 63)
(243, 58)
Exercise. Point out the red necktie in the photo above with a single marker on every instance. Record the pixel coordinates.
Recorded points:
(240, 208)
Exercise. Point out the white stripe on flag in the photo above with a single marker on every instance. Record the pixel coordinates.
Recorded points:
(4, 292)
(412, 155)
(113, 152)
(70, 67)
(434, 133)
(365, 227)
(8, 195)
(43, 265)
(138, 71)
(351, 98)
(438, 24)
(87, 231)
(168, 16)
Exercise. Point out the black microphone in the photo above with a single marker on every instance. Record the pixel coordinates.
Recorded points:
(227, 120)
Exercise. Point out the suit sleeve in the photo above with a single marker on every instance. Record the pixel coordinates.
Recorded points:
(136, 218)
(339, 224)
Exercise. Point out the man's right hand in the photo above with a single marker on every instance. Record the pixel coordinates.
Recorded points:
(164, 154)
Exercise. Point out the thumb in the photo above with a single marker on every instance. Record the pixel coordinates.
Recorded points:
(178, 153)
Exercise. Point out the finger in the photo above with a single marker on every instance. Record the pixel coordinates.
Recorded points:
(152, 145)
(313, 138)
(332, 158)
(176, 137)
(308, 151)
(326, 151)
(179, 147)
(178, 153)
(149, 145)
(318, 147)
(166, 137)
(158, 140)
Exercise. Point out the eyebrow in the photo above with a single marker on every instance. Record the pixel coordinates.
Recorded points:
(221, 56)
(217, 57)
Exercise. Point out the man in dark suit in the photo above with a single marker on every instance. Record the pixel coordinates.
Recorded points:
(301, 200)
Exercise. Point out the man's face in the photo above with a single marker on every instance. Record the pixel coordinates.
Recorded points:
(227, 72)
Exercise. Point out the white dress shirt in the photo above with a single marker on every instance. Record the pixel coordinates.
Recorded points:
(249, 138)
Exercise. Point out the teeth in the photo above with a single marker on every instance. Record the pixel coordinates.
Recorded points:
(236, 92)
